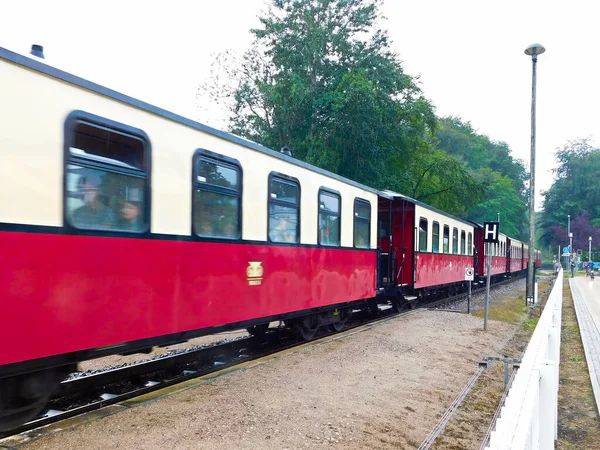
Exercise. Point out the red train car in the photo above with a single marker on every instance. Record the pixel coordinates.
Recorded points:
(124, 226)
(424, 251)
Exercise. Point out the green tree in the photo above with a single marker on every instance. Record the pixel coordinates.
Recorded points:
(575, 190)
(321, 79)
(497, 173)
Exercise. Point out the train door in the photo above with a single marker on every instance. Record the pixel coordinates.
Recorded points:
(508, 246)
(385, 269)
(396, 243)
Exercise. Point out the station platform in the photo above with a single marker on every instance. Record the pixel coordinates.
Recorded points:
(586, 297)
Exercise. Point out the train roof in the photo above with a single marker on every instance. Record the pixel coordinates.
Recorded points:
(54, 72)
(394, 195)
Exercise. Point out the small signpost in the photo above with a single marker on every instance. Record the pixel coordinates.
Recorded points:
(469, 273)
(491, 231)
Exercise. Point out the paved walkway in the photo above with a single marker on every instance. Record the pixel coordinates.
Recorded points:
(586, 296)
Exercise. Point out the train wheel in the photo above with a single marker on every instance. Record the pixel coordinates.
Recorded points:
(258, 330)
(307, 327)
(339, 325)
(24, 397)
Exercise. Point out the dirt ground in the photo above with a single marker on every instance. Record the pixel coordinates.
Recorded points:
(382, 388)
(469, 426)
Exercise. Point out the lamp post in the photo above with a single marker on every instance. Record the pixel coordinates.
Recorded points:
(590, 251)
(533, 50)
(568, 240)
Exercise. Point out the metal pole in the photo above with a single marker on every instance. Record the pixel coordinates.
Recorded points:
(487, 288)
(469, 301)
(569, 239)
(590, 251)
(530, 264)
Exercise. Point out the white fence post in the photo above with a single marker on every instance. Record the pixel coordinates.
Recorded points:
(547, 405)
(528, 419)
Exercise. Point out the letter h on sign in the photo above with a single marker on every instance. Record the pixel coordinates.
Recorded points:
(491, 231)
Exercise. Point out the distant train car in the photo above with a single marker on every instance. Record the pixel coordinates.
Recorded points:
(425, 251)
(516, 256)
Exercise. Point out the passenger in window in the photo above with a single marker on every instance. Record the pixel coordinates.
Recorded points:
(206, 229)
(326, 234)
(361, 241)
(93, 213)
(229, 230)
(131, 216)
(283, 231)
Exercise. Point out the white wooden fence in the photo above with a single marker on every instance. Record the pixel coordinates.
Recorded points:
(528, 419)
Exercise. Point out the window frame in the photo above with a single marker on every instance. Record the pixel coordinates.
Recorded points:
(230, 163)
(367, 203)
(289, 180)
(339, 196)
(463, 242)
(455, 232)
(433, 250)
(444, 250)
(82, 117)
(470, 243)
(421, 219)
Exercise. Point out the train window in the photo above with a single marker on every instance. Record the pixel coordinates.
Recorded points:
(106, 183)
(446, 239)
(362, 223)
(423, 234)
(284, 209)
(329, 218)
(470, 243)
(454, 241)
(436, 237)
(462, 243)
(217, 184)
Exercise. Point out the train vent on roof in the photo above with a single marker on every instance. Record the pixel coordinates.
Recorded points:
(37, 50)
(286, 151)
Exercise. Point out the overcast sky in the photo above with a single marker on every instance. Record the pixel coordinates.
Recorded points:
(469, 55)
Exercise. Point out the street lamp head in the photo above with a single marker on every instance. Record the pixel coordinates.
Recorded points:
(590, 239)
(535, 49)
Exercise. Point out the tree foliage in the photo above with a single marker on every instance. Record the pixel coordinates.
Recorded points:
(322, 79)
(501, 177)
(575, 192)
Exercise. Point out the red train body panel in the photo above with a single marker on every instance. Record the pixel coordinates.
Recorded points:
(84, 292)
(435, 268)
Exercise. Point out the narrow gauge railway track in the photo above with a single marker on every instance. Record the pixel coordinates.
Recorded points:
(86, 393)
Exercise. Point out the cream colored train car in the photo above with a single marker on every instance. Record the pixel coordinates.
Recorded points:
(124, 226)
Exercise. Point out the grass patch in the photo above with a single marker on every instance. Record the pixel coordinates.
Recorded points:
(578, 421)
(509, 310)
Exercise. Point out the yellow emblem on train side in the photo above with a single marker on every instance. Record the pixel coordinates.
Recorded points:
(254, 272)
